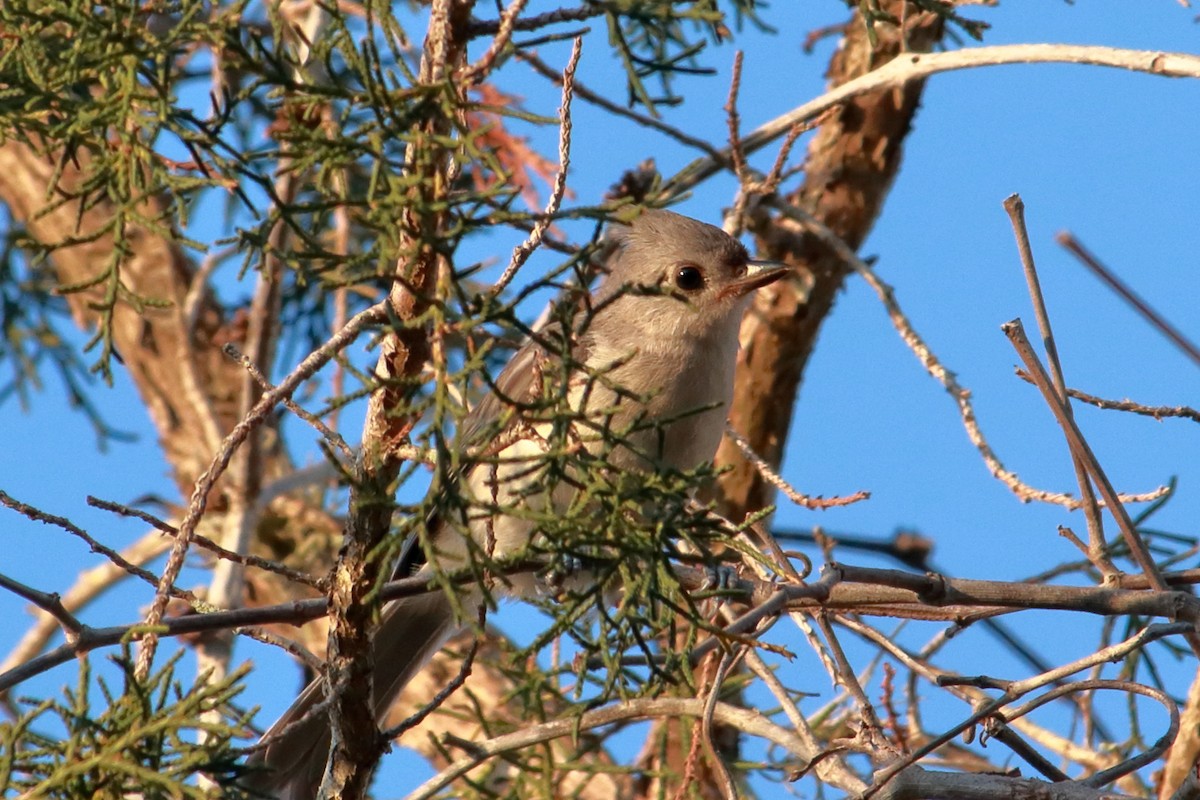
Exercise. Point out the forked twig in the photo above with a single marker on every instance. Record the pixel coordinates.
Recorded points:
(1079, 446)
(1091, 509)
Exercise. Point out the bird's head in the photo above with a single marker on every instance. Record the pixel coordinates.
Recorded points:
(674, 277)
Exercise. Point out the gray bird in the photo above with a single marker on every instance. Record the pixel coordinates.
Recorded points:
(663, 333)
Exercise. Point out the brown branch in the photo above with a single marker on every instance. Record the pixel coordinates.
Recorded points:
(844, 588)
(430, 169)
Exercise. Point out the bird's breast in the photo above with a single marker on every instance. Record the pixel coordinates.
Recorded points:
(685, 395)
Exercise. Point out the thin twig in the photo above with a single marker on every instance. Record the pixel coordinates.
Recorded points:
(734, 121)
(333, 437)
(775, 479)
(609, 106)
(773, 178)
(1127, 294)
(1157, 412)
(524, 250)
(935, 368)
(319, 708)
(464, 672)
(1091, 509)
(299, 651)
(745, 720)
(914, 67)
(50, 602)
(1129, 765)
(706, 721)
(966, 691)
(481, 68)
(848, 680)
(246, 559)
(1079, 445)
(37, 515)
(204, 484)
(487, 27)
(827, 763)
(90, 584)
(986, 708)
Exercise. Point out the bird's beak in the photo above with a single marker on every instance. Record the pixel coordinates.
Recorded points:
(759, 273)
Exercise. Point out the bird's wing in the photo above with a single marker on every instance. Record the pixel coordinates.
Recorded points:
(516, 385)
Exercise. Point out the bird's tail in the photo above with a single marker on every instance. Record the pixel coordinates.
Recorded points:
(291, 768)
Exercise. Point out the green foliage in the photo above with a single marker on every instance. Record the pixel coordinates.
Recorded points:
(36, 331)
(163, 113)
(662, 38)
(139, 742)
(172, 110)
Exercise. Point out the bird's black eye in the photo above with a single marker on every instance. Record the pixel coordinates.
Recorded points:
(689, 278)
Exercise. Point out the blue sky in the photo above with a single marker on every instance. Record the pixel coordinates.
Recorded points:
(1109, 155)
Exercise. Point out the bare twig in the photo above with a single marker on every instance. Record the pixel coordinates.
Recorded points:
(332, 437)
(204, 484)
(777, 480)
(1013, 690)
(464, 672)
(734, 121)
(1158, 412)
(1129, 765)
(745, 720)
(915, 782)
(116, 558)
(89, 585)
(246, 559)
(1076, 248)
(830, 768)
(1079, 445)
(1091, 509)
(503, 36)
(492, 27)
(522, 252)
(297, 650)
(50, 602)
(935, 368)
(706, 721)
(609, 106)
